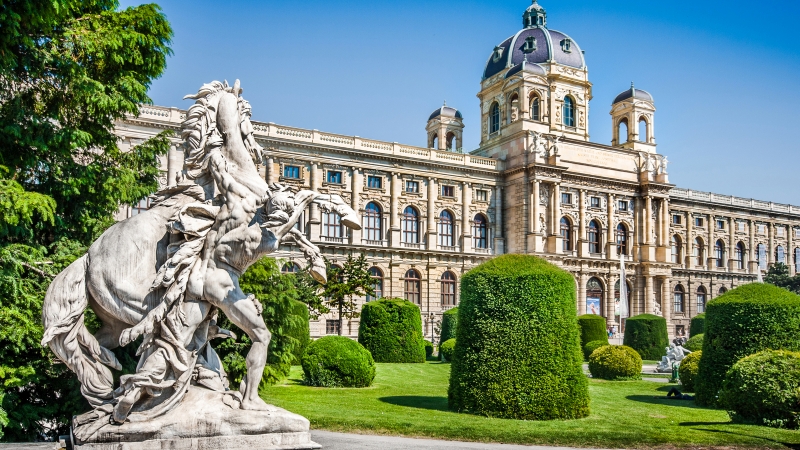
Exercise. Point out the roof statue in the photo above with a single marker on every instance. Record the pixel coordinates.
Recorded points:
(164, 275)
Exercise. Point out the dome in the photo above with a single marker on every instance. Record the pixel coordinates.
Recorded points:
(535, 44)
(633, 93)
(526, 67)
(446, 111)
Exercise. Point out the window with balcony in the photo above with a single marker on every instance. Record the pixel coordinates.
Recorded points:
(676, 245)
(699, 252)
(332, 226)
(740, 255)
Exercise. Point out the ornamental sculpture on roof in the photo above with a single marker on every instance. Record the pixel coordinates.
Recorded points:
(165, 274)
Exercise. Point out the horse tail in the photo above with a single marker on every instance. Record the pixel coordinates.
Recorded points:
(65, 332)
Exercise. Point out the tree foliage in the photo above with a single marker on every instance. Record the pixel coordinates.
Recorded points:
(345, 283)
(778, 275)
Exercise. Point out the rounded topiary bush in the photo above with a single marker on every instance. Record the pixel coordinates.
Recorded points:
(697, 325)
(299, 330)
(743, 321)
(337, 361)
(695, 343)
(615, 362)
(687, 371)
(391, 329)
(447, 349)
(647, 334)
(428, 349)
(591, 347)
(449, 325)
(517, 352)
(764, 389)
(593, 328)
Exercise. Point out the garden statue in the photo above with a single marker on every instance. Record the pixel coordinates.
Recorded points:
(165, 274)
(673, 358)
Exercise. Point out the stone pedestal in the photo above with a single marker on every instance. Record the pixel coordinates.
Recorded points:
(204, 420)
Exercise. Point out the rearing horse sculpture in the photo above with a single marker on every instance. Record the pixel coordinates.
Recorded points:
(162, 274)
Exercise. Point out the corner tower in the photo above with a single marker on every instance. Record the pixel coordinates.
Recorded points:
(632, 116)
(445, 129)
(536, 80)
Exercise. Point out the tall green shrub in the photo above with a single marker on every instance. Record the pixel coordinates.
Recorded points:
(687, 371)
(391, 329)
(449, 325)
(517, 352)
(593, 328)
(743, 321)
(697, 325)
(647, 334)
(299, 329)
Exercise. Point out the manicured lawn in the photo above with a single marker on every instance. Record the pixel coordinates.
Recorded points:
(411, 400)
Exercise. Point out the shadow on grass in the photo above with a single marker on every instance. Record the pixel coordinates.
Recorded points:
(663, 400)
(792, 445)
(417, 401)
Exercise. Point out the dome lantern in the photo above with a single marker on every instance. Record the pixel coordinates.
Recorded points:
(534, 16)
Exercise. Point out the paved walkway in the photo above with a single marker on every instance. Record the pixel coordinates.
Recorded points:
(346, 441)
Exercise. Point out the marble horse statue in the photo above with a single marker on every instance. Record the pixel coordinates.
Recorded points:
(166, 273)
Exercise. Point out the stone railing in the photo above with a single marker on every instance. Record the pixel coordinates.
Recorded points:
(718, 199)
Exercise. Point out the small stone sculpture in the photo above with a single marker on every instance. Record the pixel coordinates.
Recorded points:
(673, 358)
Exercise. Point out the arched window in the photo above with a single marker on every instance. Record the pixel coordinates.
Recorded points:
(740, 255)
(594, 297)
(373, 231)
(435, 140)
(701, 299)
(569, 112)
(622, 131)
(410, 225)
(698, 252)
(622, 240)
(643, 130)
(377, 283)
(676, 244)
(446, 229)
(761, 256)
(448, 289)
(480, 232)
(452, 141)
(679, 299)
(780, 255)
(723, 290)
(290, 267)
(594, 237)
(719, 253)
(617, 297)
(536, 108)
(494, 118)
(411, 286)
(332, 225)
(566, 235)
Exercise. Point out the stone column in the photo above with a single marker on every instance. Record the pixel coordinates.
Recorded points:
(790, 249)
(466, 228)
(394, 217)
(771, 247)
(609, 301)
(556, 219)
(498, 221)
(648, 220)
(731, 245)
(689, 239)
(583, 249)
(612, 230)
(314, 221)
(357, 181)
(752, 262)
(174, 165)
(649, 294)
(711, 242)
(666, 305)
(270, 171)
(431, 214)
(534, 242)
(582, 293)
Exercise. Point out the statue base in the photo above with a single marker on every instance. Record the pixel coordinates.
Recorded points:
(204, 419)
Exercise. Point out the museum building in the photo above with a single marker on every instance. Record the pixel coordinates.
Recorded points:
(535, 185)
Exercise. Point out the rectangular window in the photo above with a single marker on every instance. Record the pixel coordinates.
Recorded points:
(761, 228)
(291, 172)
(374, 182)
(448, 191)
(779, 231)
(623, 206)
(412, 186)
(676, 219)
(335, 177)
(595, 202)
(566, 199)
(720, 224)
(742, 226)
(332, 326)
(481, 195)
(698, 221)
(142, 206)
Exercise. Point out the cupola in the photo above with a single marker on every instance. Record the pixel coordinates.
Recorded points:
(534, 16)
(445, 129)
(632, 116)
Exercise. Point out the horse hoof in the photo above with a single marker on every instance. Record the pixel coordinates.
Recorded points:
(319, 274)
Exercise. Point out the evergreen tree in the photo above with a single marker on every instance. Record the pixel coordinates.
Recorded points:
(344, 283)
(778, 275)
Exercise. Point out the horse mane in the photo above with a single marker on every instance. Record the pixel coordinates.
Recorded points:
(199, 127)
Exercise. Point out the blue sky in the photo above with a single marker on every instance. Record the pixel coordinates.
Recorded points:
(723, 73)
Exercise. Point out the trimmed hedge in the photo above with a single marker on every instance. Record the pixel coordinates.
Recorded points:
(764, 389)
(647, 334)
(687, 371)
(391, 329)
(337, 361)
(447, 350)
(591, 347)
(697, 325)
(428, 349)
(593, 328)
(743, 321)
(299, 330)
(615, 362)
(517, 352)
(695, 343)
(449, 325)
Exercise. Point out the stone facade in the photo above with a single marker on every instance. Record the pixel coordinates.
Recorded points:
(535, 185)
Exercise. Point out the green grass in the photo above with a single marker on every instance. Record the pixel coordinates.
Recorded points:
(411, 400)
